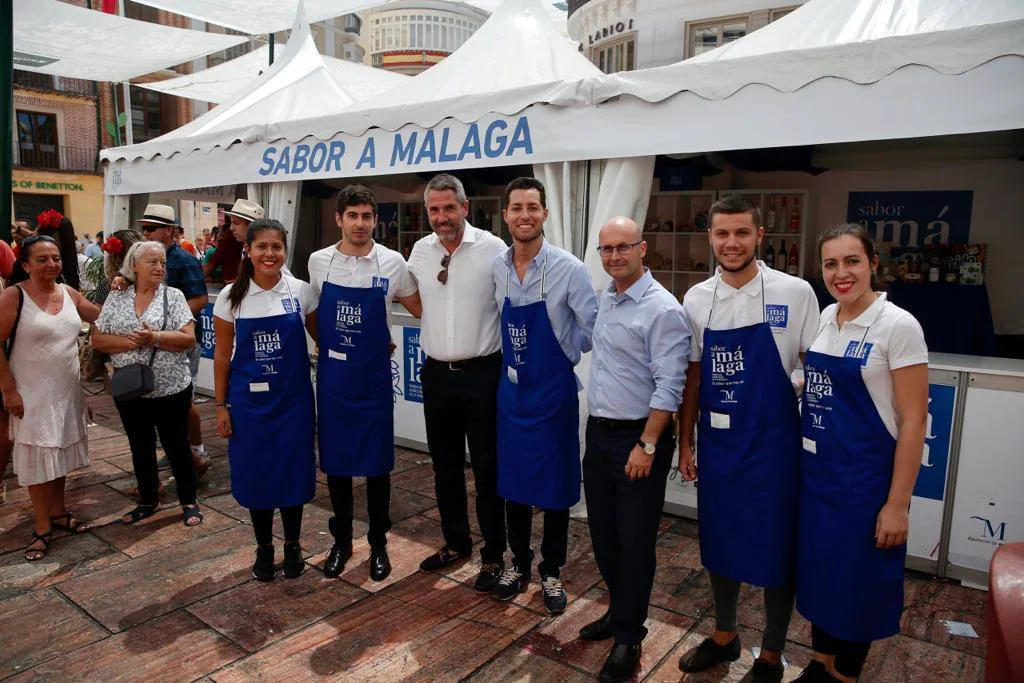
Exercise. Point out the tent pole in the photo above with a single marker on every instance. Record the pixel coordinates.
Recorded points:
(129, 137)
(7, 114)
(586, 210)
(271, 42)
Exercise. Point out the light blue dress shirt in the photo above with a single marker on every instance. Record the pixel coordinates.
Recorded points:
(570, 300)
(641, 346)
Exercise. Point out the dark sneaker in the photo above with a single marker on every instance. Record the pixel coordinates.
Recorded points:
(555, 598)
(294, 565)
(442, 558)
(815, 673)
(512, 583)
(263, 569)
(766, 672)
(488, 577)
(708, 654)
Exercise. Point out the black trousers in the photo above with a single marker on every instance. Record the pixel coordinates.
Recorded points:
(263, 524)
(143, 418)
(378, 506)
(850, 655)
(462, 404)
(553, 547)
(624, 517)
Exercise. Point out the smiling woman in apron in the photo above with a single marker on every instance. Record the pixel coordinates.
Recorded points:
(264, 393)
(865, 410)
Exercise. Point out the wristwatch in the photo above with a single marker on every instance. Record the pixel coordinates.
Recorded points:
(648, 447)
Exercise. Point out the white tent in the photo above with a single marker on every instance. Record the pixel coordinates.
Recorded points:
(217, 84)
(56, 38)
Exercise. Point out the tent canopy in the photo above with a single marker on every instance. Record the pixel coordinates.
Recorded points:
(219, 83)
(56, 38)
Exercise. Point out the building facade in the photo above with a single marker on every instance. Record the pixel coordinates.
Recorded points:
(623, 35)
(411, 35)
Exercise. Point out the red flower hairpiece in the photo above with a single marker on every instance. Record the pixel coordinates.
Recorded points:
(50, 219)
(112, 246)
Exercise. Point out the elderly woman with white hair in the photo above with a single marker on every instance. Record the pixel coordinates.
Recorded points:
(149, 325)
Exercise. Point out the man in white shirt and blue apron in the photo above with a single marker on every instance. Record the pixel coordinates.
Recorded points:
(638, 369)
(751, 324)
(357, 279)
(548, 308)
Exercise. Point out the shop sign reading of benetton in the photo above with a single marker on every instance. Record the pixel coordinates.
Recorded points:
(43, 185)
(453, 143)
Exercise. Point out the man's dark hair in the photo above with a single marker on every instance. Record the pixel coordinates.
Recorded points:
(526, 184)
(99, 236)
(733, 204)
(356, 195)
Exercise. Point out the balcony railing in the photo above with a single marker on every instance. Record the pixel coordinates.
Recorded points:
(56, 157)
(74, 86)
(575, 5)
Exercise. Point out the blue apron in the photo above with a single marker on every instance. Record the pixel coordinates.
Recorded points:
(538, 410)
(272, 420)
(748, 444)
(355, 403)
(845, 584)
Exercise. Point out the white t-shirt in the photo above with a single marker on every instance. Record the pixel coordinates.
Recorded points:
(789, 305)
(894, 340)
(360, 271)
(460, 319)
(263, 303)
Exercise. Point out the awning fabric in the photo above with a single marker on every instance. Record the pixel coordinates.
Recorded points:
(56, 38)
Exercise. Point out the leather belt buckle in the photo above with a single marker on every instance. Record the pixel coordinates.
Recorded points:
(456, 365)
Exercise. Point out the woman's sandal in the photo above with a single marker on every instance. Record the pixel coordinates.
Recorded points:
(36, 554)
(68, 522)
(140, 513)
(192, 515)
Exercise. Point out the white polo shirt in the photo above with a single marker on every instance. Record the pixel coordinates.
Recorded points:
(329, 264)
(789, 306)
(460, 319)
(894, 339)
(288, 293)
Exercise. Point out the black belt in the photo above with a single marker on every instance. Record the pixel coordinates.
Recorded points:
(614, 425)
(459, 365)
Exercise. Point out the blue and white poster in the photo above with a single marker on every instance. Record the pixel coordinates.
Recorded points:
(414, 357)
(207, 338)
(914, 219)
(931, 478)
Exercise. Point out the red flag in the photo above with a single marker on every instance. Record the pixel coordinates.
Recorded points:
(109, 6)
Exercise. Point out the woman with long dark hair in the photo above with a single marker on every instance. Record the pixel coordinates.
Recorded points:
(264, 393)
(865, 407)
(58, 228)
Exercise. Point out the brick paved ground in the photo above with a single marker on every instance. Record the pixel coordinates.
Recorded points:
(159, 601)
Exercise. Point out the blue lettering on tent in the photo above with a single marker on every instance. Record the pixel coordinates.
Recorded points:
(335, 155)
(268, 161)
(491, 136)
(301, 160)
(471, 145)
(521, 137)
(403, 152)
(283, 161)
(445, 157)
(316, 163)
(369, 155)
(427, 150)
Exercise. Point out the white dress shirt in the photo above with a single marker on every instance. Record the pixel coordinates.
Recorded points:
(461, 318)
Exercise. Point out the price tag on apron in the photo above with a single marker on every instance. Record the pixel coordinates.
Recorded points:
(720, 421)
(259, 387)
(810, 446)
(336, 355)
(513, 375)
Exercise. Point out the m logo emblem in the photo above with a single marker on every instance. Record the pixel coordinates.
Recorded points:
(728, 395)
(269, 369)
(816, 420)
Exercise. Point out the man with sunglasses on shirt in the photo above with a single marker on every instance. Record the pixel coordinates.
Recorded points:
(459, 335)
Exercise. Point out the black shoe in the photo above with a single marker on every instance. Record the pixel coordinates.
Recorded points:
(380, 564)
(598, 630)
(442, 558)
(294, 565)
(336, 560)
(512, 583)
(488, 577)
(710, 653)
(621, 663)
(263, 568)
(555, 598)
(815, 673)
(766, 672)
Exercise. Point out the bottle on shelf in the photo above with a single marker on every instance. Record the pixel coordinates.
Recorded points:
(769, 255)
(783, 217)
(407, 219)
(794, 260)
(781, 257)
(933, 267)
(794, 216)
(769, 215)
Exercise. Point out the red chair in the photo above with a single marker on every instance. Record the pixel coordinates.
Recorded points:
(1004, 658)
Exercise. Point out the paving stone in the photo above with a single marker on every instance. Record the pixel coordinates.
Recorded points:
(906, 659)
(40, 626)
(418, 479)
(175, 647)
(163, 530)
(69, 556)
(928, 602)
(523, 665)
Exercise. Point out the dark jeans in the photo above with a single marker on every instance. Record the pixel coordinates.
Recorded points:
(461, 404)
(624, 517)
(143, 418)
(850, 655)
(263, 524)
(778, 609)
(553, 547)
(378, 505)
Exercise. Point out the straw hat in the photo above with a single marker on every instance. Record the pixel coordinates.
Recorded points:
(158, 214)
(246, 210)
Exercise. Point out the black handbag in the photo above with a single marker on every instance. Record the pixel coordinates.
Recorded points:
(136, 380)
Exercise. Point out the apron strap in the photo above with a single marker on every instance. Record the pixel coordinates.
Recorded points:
(376, 253)
(714, 294)
(543, 279)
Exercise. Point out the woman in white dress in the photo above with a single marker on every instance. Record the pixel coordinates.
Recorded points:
(39, 378)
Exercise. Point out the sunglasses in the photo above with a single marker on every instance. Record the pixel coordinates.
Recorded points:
(32, 239)
(442, 277)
